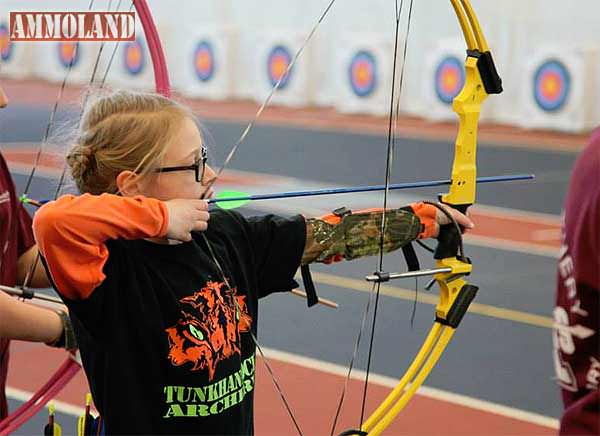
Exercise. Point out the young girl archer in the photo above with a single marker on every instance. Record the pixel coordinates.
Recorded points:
(165, 332)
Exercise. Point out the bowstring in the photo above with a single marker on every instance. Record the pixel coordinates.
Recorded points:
(375, 290)
(114, 52)
(269, 97)
(352, 360)
(52, 116)
(266, 362)
(226, 162)
(392, 130)
(414, 306)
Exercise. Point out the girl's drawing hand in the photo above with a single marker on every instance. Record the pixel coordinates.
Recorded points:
(186, 216)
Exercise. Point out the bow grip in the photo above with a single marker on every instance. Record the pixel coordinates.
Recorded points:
(449, 238)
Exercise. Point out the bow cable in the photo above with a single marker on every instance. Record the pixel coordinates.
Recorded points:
(228, 159)
(388, 174)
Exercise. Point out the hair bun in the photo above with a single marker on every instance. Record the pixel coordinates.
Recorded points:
(80, 160)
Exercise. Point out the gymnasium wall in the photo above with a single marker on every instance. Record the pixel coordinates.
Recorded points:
(546, 53)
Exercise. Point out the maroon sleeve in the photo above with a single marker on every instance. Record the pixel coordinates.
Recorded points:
(25, 231)
(577, 310)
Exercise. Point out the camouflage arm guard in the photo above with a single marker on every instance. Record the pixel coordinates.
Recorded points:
(358, 235)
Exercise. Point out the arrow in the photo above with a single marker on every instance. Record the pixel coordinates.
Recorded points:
(237, 199)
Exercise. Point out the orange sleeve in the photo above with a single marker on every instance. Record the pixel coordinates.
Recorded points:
(71, 233)
(427, 214)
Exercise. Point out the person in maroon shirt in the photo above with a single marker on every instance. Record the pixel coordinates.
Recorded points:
(17, 253)
(576, 320)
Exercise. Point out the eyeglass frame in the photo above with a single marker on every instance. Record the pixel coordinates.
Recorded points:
(195, 166)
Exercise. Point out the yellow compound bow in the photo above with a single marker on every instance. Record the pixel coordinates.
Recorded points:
(452, 266)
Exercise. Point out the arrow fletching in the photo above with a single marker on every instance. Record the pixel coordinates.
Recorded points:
(234, 199)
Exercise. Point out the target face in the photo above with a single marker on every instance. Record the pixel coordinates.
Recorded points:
(5, 45)
(68, 53)
(278, 61)
(551, 85)
(449, 79)
(362, 73)
(133, 57)
(204, 61)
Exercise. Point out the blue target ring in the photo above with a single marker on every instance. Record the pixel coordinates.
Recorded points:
(551, 85)
(134, 58)
(362, 73)
(204, 61)
(449, 79)
(6, 48)
(68, 53)
(278, 61)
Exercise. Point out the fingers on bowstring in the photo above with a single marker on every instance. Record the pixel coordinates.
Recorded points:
(200, 204)
(200, 225)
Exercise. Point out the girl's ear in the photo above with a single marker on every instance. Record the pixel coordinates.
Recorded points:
(128, 184)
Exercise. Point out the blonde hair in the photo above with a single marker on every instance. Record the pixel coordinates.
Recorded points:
(122, 131)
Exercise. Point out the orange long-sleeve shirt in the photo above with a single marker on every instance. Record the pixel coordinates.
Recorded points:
(71, 233)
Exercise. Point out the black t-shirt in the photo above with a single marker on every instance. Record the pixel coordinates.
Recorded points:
(165, 347)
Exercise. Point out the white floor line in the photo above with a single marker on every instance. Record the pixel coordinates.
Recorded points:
(438, 394)
(61, 406)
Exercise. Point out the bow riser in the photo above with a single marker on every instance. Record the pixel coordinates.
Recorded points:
(455, 294)
(464, 169)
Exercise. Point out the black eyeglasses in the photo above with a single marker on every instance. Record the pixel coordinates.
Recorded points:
(198, 167)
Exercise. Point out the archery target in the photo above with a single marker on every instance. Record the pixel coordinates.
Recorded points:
(204, 61)
(551, 85)
(362, 73)
(449, 79)
(55, 61)
(278, 60)
(6, 47)
(15, 57)
(443, 78)
(131, 67)
(560, 93)
(134, 56)
(68, 53)
(272, 53)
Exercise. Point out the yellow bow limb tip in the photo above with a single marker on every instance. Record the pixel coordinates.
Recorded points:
(52, 428)
(84, 421)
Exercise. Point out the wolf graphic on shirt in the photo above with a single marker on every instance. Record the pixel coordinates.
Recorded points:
(209, 329)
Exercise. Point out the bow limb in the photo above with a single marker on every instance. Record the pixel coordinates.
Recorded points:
(157, 55)
(455, 292)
